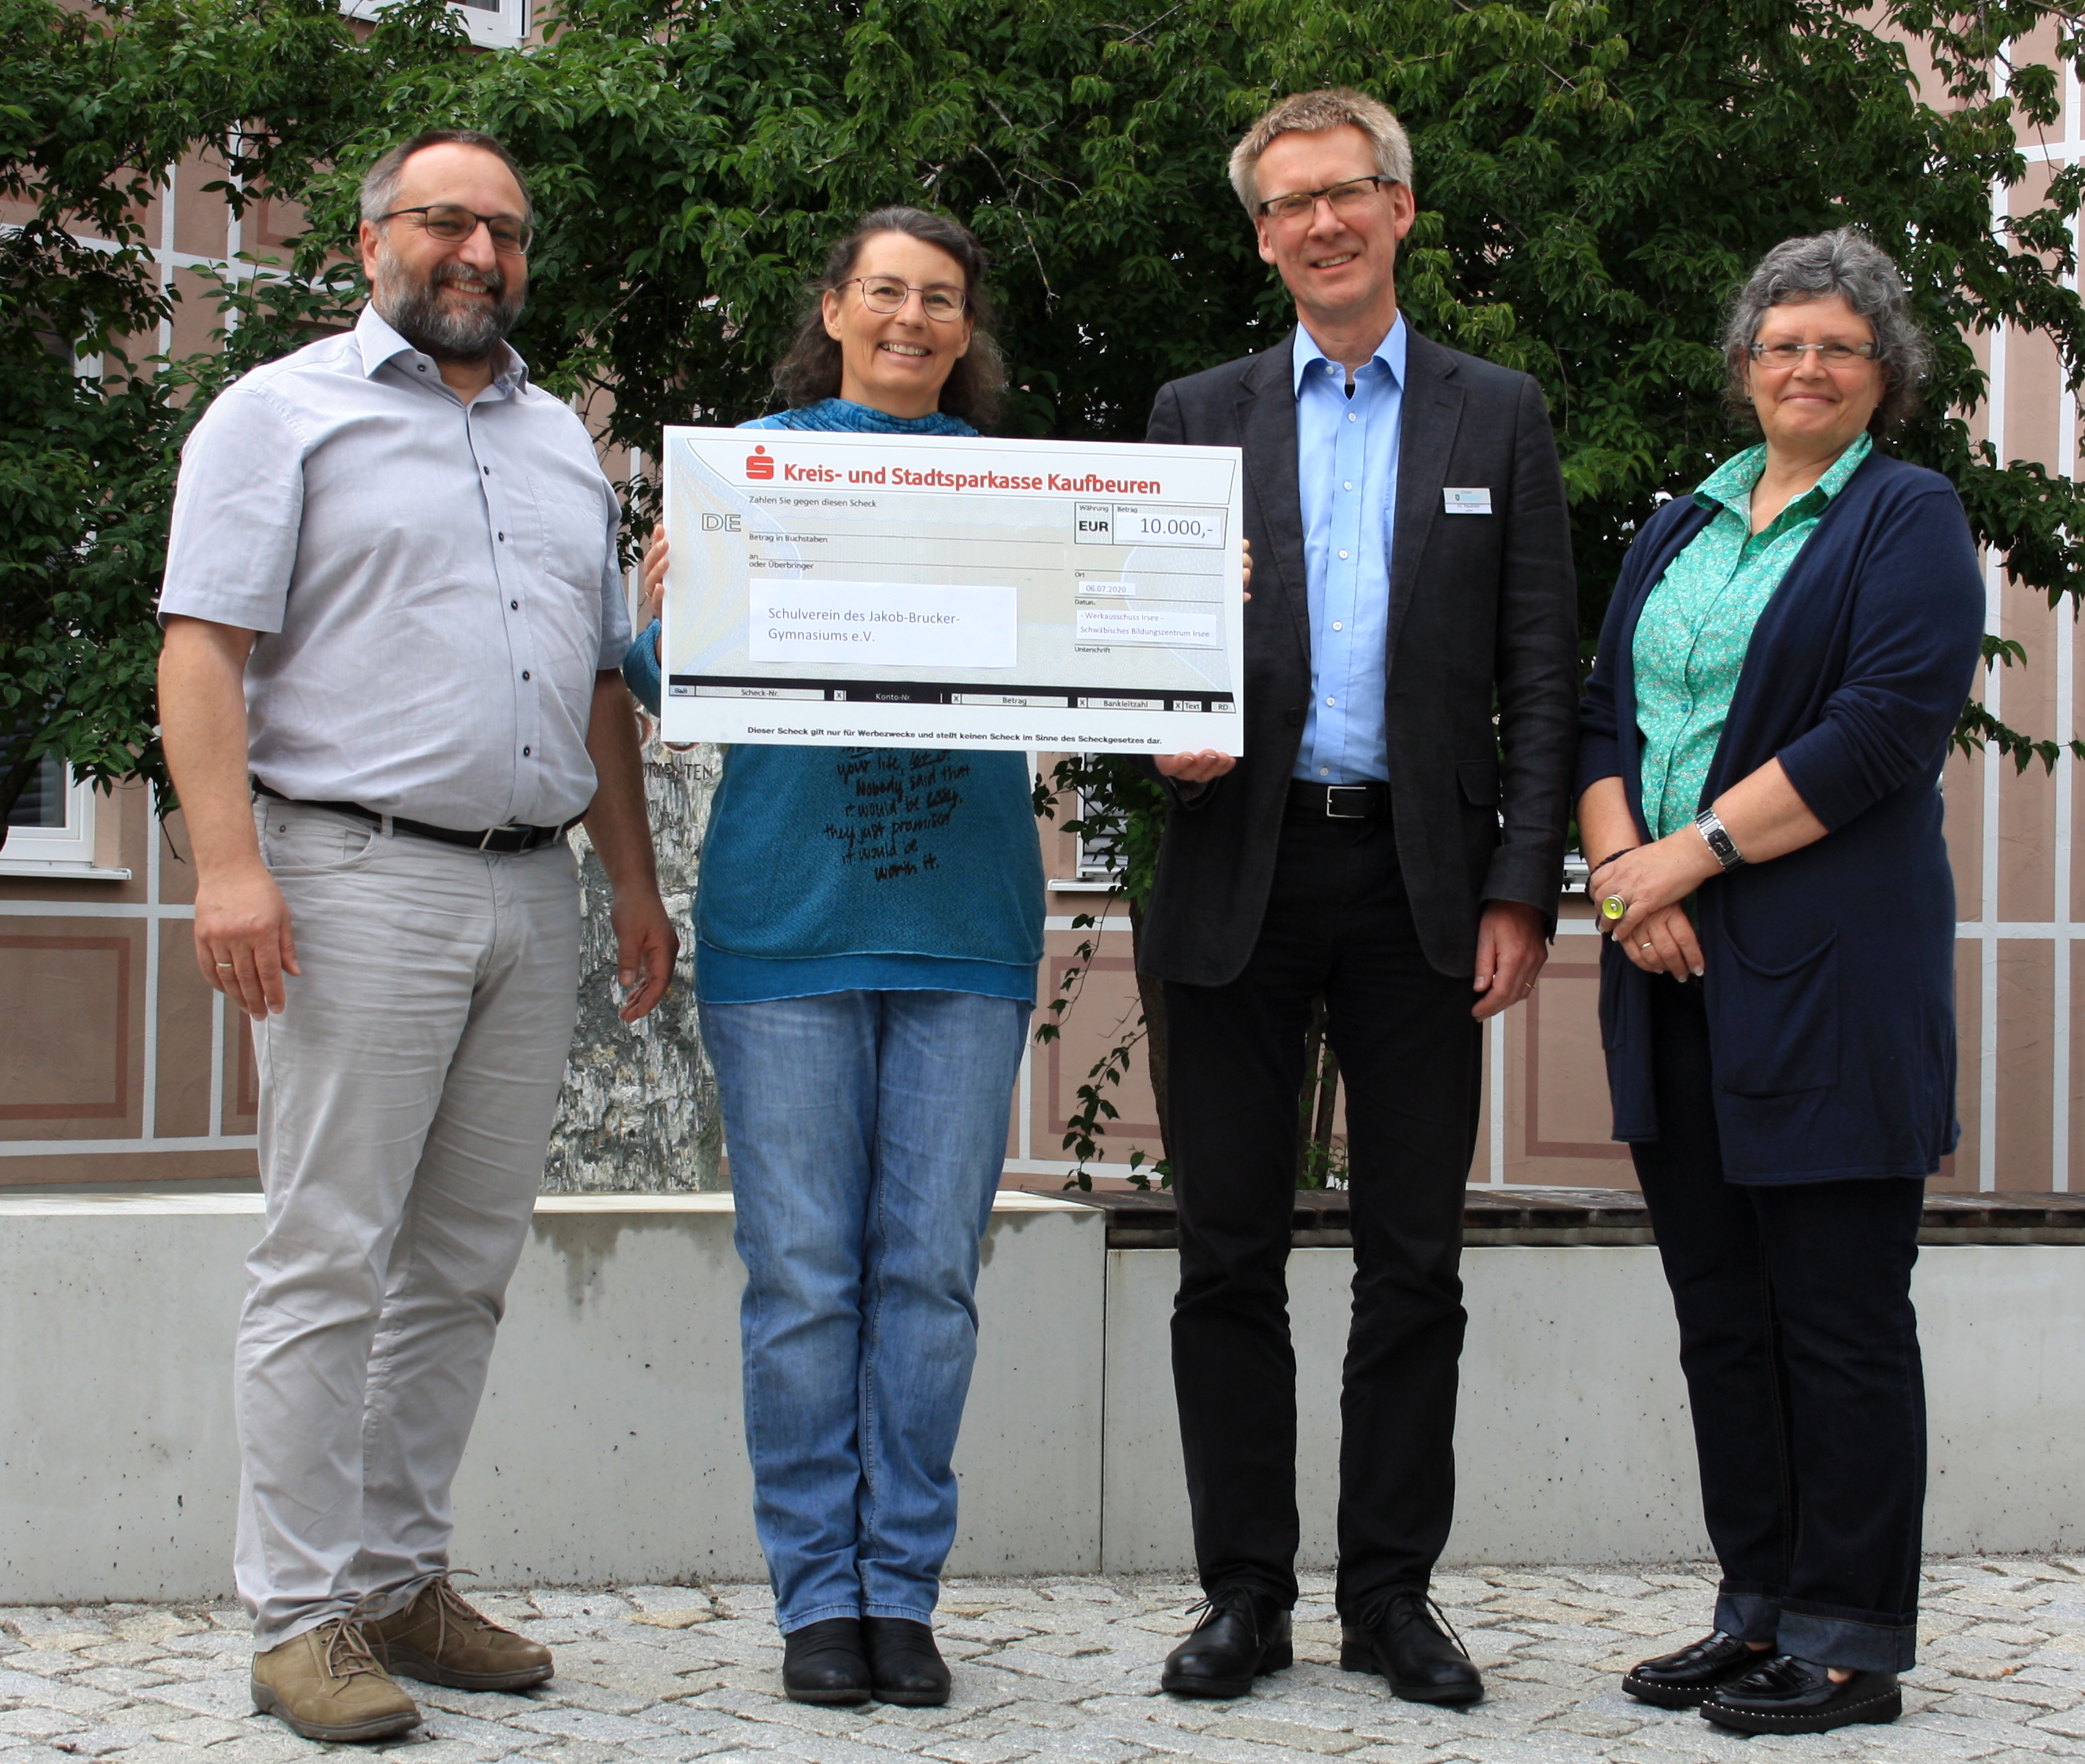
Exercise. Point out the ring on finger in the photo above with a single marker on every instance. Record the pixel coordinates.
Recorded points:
(1614, 907)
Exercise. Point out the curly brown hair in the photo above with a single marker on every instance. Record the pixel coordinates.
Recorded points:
(811, 371)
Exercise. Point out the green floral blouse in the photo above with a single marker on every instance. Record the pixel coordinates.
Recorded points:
(1692, 636)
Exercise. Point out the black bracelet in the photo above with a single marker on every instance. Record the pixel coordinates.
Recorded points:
(1611, 857)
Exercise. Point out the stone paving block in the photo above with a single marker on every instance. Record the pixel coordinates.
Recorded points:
(581, 1689)
(1094, 1749)
(439, 1723)
(2069, 1724)
(414, 1750)
(120, 1681)
(227, 1695)
(158, 1626)
(1296, 1736)
(44, 1662)
(160, 1752)
(952, 1751)
(40, 1724)
(55, 1693)
(678, 1748)
(574, 1752)
(813, 1747)
(201, 1729)
(98, 1742)
(568, 1723)
(272, 1743)
(211, 1644)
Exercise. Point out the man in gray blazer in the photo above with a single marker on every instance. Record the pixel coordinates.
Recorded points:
(1391, 841)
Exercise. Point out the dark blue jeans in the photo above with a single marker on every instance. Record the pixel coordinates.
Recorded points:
(1800, 1347)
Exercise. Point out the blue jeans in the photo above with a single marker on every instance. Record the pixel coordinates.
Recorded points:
(866, 1132)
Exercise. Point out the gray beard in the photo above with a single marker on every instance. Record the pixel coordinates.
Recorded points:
(414, 309)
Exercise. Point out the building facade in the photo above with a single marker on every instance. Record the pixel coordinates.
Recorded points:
(119, 1065)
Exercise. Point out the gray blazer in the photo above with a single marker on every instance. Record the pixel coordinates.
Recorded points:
(1484, 616)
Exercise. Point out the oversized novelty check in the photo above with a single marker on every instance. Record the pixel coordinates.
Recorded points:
(848, 589)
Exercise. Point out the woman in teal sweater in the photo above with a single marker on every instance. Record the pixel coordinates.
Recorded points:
(865, 1014)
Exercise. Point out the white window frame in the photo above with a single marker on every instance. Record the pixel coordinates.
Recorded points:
(1093, 872)
(505, 29)
(66, 850)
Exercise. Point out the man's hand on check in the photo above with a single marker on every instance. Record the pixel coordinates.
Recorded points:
(1204, 768)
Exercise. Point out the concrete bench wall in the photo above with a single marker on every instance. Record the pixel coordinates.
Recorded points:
(608, 1448)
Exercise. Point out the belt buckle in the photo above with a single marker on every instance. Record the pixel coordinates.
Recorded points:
(1332, 791)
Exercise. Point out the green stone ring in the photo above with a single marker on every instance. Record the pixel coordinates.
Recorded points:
(1614, 907)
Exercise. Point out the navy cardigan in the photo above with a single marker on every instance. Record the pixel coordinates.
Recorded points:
(1830, 973)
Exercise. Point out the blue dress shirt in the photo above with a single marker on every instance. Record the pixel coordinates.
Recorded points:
(1346, 469)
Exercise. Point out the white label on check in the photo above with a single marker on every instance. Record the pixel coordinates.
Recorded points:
(884, 624)
(1468, 502)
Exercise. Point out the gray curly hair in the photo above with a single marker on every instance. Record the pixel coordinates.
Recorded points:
(1847, 264)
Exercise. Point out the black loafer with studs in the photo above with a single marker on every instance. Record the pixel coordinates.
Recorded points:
(1788, 1695)
(1687, 1679)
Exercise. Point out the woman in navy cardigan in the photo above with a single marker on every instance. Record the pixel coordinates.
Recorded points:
(1779, 671)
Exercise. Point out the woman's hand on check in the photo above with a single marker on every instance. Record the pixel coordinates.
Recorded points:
(651, 579)
(1247, 544)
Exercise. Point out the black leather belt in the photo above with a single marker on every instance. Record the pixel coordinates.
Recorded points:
(1339, 801)
(509, 840)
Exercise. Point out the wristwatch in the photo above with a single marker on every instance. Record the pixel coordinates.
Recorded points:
(1709, 824)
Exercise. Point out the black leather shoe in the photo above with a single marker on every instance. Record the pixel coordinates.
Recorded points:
(1788, 1695)
(1404, 1643)
(1242, 1635)
(1685, 1680)
(823, 1662)
(904, 1665)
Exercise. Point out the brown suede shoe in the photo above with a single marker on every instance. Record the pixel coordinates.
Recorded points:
(323, 1684)
(441, 1640)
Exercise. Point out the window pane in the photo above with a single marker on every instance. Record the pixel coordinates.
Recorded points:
(43, 804)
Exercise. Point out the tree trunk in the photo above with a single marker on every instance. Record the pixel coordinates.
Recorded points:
(639, 1114)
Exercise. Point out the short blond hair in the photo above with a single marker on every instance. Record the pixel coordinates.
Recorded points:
(1307, 113)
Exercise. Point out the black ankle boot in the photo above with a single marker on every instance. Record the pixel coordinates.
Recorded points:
(905, 1667)
(1243, 1634)
(1403, 1639)
(824, 1662)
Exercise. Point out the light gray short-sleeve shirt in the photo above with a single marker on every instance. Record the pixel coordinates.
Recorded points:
(434, 586)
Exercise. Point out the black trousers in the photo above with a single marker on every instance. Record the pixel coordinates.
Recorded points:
(1800, 1348)
(1338, 924)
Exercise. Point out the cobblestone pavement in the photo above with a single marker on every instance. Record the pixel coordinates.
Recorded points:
(1064, 1669)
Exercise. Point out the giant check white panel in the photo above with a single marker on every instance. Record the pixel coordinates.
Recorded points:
(870, 589)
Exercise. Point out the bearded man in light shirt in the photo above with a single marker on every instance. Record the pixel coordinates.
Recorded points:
(394, 620)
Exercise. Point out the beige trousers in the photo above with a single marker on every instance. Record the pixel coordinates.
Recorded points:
(407, 1093)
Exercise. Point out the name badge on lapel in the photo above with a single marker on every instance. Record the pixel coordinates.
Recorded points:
(1468, 502)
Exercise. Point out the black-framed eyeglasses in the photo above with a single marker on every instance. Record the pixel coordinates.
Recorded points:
(1348, 196)
(886, 294)
(1830, 354)
(453, 224)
